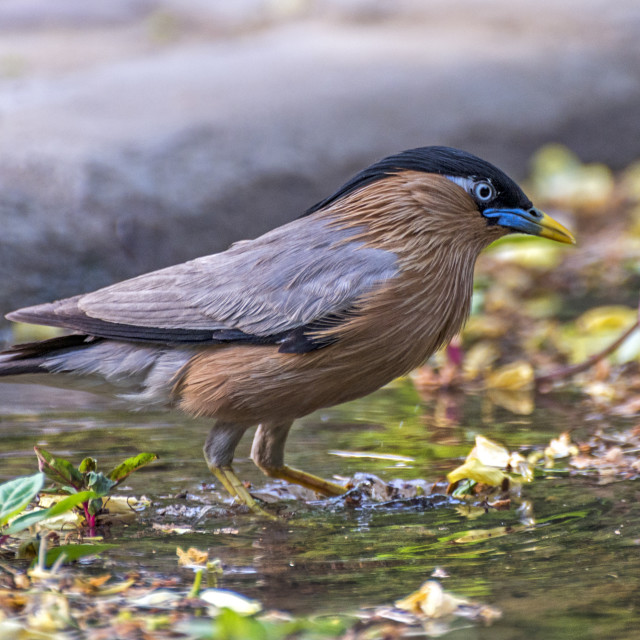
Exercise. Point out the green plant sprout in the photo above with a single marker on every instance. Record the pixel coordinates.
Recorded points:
(86, 481)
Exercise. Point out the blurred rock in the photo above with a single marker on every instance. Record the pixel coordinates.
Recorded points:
(153, 132)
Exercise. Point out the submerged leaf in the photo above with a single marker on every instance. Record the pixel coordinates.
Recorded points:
(74, 552)
(518, 401)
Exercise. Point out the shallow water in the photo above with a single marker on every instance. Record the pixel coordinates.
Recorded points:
(574, 574)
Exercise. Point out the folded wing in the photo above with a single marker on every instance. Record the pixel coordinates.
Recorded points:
(273, 290)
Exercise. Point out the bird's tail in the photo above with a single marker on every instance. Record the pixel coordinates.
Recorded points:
(141, 373)
(33, 357)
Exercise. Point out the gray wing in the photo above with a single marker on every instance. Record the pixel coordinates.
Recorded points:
(270, 290)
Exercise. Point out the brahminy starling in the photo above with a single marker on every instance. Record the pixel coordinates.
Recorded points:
(360, 289)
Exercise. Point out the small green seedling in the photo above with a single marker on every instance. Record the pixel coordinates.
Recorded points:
(85, 481)
(15, 496)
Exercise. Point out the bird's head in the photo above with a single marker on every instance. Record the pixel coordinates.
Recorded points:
(442, 191)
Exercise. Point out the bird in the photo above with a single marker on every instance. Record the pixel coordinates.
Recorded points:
(360, 289)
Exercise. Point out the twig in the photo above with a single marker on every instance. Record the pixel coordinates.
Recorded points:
(567, 372)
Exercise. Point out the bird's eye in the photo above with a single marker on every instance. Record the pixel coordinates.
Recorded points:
(484, 191)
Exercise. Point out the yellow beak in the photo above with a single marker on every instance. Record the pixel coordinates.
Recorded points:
(552, 229)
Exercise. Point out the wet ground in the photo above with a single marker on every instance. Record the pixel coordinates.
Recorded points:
(574, 572)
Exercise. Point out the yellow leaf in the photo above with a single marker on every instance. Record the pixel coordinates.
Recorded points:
(191, 557)
(518, 401)
(561, 447)
(470, 512)
(602, 391)
(125, 505)
(119, 587)
(479, 359)
(560, 177)
(51, 614)
(514, 376)
(608, 318)
(529, 253)
(475, 535)
(518, 464)
(552, 159)
(630, 183)
(431, 600)
(473, 469)
(483, 326)
(490, 453)
(92, 584)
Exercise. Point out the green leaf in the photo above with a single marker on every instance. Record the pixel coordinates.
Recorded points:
(68, 503)
(16, 494)
(95, 506)
(99, 483)
(59, 470)
(130, 465)
(75, 551)
(33, 517)
(26, 520)
(230, 628)
(233, 626)
(88, 464)
(464, 488)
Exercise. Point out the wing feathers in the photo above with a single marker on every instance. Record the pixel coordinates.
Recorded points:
(268, 290)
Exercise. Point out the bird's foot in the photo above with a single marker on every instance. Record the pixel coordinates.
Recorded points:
(230, 481)
(307, 480)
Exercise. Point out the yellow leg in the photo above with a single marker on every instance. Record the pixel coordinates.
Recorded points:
(268, 453)
(230, 481)
(307, 480)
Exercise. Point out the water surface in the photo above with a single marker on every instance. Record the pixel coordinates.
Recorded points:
(575, 573)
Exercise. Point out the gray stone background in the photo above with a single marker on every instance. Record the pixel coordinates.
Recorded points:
(139, 133)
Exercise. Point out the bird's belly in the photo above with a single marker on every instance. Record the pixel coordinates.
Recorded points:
(252, 384)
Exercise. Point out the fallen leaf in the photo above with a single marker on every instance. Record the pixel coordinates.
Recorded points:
(560, 447)
(515, 376)
(490, 453)
(608, 318)
(223, 599)
(191, 557)
(473, 469)
(431, 601)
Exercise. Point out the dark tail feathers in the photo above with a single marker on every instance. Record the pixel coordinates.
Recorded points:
(31, 357)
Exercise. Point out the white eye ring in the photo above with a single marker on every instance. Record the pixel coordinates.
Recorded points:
(484, 191)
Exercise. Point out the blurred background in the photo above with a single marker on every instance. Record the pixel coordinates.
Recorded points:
(139, 133)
